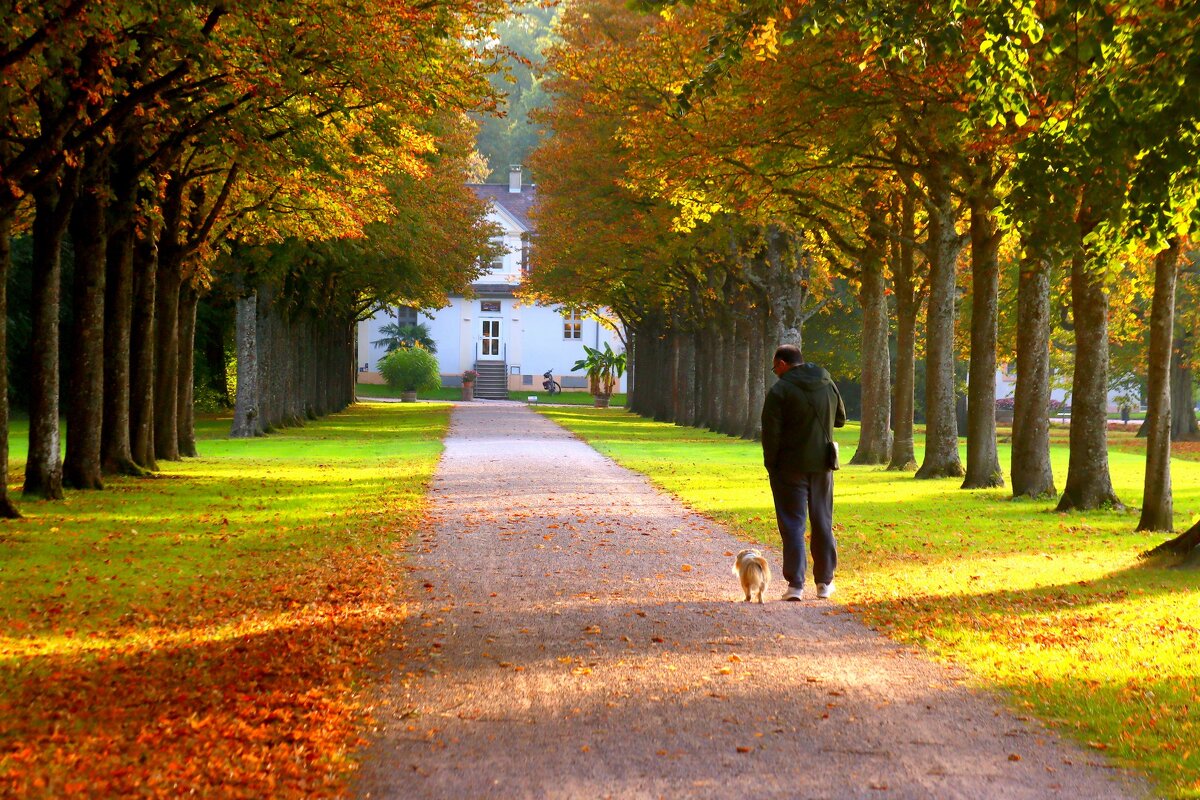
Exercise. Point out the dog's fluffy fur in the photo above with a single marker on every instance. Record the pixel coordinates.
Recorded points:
(754, 572)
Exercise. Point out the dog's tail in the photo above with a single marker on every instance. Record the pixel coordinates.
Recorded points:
(764, 566)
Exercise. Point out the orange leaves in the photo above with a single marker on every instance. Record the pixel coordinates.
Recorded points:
(256, 708)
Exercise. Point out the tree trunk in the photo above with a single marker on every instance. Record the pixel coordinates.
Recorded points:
(875, 434)
(632, 348)
(302, 377)
(756, 385)
(908, 305)
(941, 423)
(704, 357)
(789, 293)
(85, 400)
(675, 377)
(688, 369)
(43, 467)
(116, 455)
(718, 369)
(1089, 484)
(983, 460)
(141, 354)
(637, 389)
(7, 509)
(169, 283)
(660, 402)
(1183, 407)
(186, 412)
(1032, 474)
(1157, 505)
(1185, 544)
(246, 423)
(742, 367)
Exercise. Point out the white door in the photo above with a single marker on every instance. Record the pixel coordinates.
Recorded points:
(489, 343)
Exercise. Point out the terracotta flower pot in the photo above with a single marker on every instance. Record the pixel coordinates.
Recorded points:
(468, 391)
(408, 397)
(601, 400)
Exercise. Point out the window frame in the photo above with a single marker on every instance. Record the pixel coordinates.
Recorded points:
(572, 326)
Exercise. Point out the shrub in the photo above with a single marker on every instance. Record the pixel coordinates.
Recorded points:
(1010, 403)
(411, 370)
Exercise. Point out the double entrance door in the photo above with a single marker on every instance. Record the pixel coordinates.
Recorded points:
(489, 343)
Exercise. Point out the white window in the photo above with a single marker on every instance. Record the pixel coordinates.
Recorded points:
(497, 264)
(572, 325)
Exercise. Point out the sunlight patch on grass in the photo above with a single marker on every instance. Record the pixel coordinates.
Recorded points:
(210, 626)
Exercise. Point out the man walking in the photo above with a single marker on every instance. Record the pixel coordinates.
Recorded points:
(798, 418)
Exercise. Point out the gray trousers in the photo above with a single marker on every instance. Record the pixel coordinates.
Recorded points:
(808, 498)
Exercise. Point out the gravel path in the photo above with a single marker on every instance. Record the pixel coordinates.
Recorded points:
(580, 635)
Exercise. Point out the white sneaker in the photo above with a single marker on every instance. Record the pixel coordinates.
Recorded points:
(794, 593)
(824, 589)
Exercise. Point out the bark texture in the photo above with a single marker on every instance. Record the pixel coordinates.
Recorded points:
(1032, 474)
(983, 459)
(1089, 484)
(246, 422)
(85, 399)
(186, 402)
(141, 355)
(875, 435)
(43, 465)
(1157, 503)
(909, 298)
(168, 284)
(941, 422)
(1185, 544)
(1183, 408)
(116, 454)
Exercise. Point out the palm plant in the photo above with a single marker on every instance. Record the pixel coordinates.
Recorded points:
(405, 337)
(604, 368)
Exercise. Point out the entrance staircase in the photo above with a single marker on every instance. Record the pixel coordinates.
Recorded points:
(492, 383)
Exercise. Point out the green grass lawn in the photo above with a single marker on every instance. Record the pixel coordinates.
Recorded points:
(236, 597)
(374, 390)
(1056, 612)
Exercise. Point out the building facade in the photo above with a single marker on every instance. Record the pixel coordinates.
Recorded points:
(508, 342)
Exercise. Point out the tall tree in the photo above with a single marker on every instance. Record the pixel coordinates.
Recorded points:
(983, 461)
(1157, 505)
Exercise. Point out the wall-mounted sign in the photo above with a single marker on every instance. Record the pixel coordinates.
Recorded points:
(489, 306)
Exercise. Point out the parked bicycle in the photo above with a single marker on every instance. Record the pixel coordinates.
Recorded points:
(550, 385)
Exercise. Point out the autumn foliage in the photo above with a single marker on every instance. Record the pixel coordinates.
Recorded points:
(216, 636)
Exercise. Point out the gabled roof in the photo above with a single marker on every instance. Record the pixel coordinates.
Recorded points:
(517, 204)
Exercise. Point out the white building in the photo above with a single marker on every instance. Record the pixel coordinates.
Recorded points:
(493, 332)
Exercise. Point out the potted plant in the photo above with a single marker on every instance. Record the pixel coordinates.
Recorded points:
(410, 371)
(604, 368)
(468, 384)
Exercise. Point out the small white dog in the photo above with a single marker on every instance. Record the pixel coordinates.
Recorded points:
(754, 572)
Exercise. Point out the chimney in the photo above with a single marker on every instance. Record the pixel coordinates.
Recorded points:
(514, 179)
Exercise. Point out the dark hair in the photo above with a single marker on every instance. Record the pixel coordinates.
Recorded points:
(789, 354)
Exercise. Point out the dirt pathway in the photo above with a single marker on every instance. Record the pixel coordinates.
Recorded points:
(580, 637)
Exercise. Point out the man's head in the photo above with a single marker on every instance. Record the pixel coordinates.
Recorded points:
(786, 357)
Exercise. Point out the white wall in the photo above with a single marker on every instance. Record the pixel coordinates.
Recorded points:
(544, 346)
(532, 336)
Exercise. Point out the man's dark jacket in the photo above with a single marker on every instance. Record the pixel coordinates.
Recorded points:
(800, 408)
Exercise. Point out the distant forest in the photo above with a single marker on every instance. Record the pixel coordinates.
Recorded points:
(509, 139)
